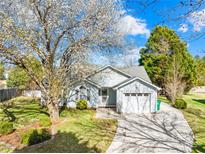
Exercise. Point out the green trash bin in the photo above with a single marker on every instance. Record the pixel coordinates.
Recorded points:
(158, 105)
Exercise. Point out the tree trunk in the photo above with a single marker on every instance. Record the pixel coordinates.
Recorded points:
(54, 116)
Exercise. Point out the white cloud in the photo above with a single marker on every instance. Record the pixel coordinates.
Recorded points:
(133, 26)
(198, 20)
(129, 57)
(183, 28)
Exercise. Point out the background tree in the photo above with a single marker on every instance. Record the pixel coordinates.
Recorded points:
(55, 33)
(18, 78)
(200, 69)
(168, 62)
(1, 71)
(174, 84)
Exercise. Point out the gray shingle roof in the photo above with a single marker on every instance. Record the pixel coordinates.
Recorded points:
(136, 71)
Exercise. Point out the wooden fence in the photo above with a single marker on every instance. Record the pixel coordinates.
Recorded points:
(6, 94)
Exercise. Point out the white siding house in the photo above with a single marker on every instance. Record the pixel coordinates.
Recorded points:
(108, 77)
(128, 89)
(136, 97)
(84, 90)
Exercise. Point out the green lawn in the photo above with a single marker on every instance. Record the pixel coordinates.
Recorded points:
(81, 132)
(195, 115)
(23, 111)
(164, 99)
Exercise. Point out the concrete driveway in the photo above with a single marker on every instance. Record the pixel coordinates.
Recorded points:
(164, 131)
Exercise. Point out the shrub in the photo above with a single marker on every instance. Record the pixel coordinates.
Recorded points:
(180, 104)
(6, 127)
(45, 122)
(82, 104)
(34, 136)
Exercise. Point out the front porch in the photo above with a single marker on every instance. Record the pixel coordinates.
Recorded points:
(107, 97)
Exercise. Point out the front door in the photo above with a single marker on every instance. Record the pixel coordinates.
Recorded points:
(105, 97)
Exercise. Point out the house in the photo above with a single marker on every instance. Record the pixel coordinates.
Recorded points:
(130, 90)
(2, 84)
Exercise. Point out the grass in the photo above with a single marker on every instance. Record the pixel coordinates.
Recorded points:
(195, 115)
(81, 132)
(164, 99)
(4, 148)
(23, 111)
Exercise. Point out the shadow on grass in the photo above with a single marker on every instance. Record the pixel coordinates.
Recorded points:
(202, 101)
(63, 142)
(14, 114)
(9, 115)
(22, 108)
(199, 148)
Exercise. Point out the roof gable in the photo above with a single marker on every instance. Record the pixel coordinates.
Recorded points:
(108, 76)
(134, 79)
(111, 67)
(86, 81)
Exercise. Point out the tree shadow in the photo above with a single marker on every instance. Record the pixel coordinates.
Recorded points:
(202, 101)
(9, 115)
(199, 148)
(30, 112)
(63, 142)
(160, 132)
(14, 114)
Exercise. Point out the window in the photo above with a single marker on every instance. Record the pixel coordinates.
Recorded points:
(126, 94)
(139, 94)
(104, 92)
(133, 94)
(88, 94)
(146, 94)
(83, 92)
(76, 94)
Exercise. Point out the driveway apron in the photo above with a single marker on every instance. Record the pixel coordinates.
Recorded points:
(163, 131)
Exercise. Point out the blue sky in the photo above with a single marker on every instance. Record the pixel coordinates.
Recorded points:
(138, 23)
(150, 17)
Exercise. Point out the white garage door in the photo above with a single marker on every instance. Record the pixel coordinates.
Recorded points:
(136, 103)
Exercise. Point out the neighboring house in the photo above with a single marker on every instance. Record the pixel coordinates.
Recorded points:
(32, 93)
(197, 89)
(130, 90)
(2, 84)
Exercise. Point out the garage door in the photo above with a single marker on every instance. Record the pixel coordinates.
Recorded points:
(136, 103)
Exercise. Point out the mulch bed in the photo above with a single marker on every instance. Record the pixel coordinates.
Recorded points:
(14, 139)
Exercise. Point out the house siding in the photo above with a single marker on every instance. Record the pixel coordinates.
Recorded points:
(108, 78)
(136, 86)
(94, 96)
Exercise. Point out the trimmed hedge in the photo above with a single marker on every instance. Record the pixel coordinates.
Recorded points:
(82, 104)
(180, 104)
(34, 136)
(6, 127)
